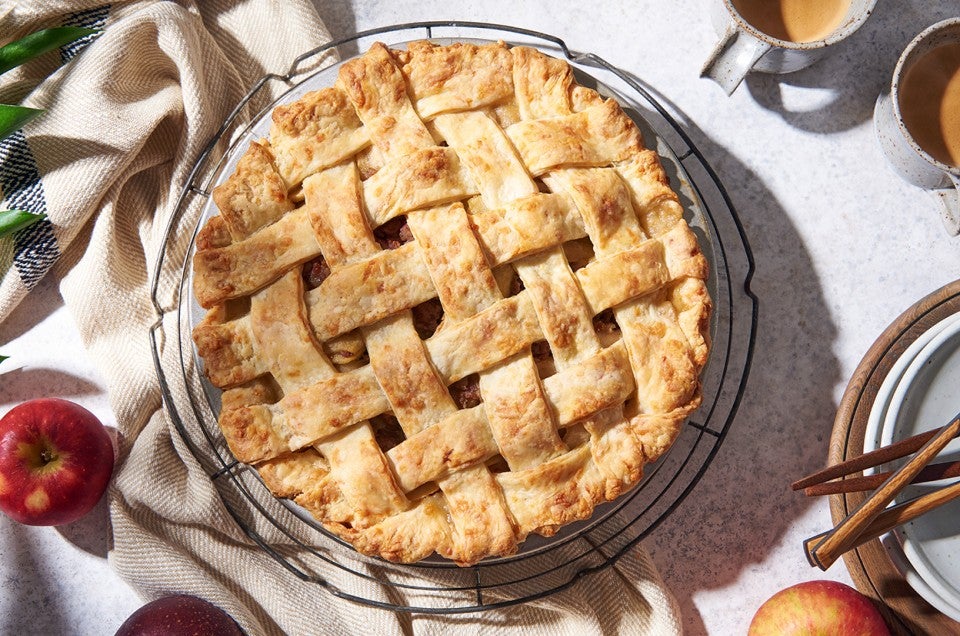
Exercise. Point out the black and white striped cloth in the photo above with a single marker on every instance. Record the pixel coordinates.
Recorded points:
(35, 249)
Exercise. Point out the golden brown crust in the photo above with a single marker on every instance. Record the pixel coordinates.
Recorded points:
(254, 195)
(315, 132)
(575, 313)
(456, 77)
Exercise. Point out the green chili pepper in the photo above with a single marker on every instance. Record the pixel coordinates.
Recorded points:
(13, 220)
(13, 118)
(36, 44)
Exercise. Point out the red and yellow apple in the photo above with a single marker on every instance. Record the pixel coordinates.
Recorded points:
(179, 615)
(818, 607)
(56, 460)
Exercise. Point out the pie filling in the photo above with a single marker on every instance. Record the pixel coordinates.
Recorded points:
(451, 300)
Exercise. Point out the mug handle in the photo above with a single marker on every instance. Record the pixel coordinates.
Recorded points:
(950, 200)
(733, 57)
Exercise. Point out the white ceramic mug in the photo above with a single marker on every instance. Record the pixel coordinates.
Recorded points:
(909, 160)
(743, 47)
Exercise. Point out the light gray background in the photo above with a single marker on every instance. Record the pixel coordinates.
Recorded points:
(842, 246)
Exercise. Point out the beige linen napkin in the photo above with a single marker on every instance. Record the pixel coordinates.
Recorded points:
(129, 111)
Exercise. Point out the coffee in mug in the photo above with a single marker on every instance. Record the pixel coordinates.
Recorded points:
(930, 102)
(777, 36)
(918, 122)
(794, 20)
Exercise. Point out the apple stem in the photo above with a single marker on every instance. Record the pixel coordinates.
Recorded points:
(47, 456)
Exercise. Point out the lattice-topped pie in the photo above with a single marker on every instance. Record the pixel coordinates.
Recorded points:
(451, 301)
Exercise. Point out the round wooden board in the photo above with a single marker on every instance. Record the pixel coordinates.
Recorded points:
(870, 567)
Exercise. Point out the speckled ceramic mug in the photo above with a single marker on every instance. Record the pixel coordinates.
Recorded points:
(744, 48)
(909, 160)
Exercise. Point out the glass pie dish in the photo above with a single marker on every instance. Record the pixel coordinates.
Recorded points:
(543, 564)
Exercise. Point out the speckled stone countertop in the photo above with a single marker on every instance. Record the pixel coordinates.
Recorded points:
(842, 246)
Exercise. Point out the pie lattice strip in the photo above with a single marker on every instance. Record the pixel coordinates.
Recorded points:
(229, 350)
(616, 451)
(480, 523)
(456, 136)
(528, 225)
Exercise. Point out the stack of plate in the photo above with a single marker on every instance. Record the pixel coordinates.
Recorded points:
(920, 393)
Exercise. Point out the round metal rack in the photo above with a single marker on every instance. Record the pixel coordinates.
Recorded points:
(544, 565)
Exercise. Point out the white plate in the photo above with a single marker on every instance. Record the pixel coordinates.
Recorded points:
(924, 399)
(871, 435)
(871, 441)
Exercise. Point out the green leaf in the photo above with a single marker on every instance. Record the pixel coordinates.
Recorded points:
(2, 358)
(13, 220)
(13, 118)
(36, 44)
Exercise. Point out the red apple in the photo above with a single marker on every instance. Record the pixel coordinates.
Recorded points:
(818, 607)
(179, 615)
(56, 459)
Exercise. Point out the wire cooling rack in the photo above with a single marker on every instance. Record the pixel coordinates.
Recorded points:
(543, 566)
